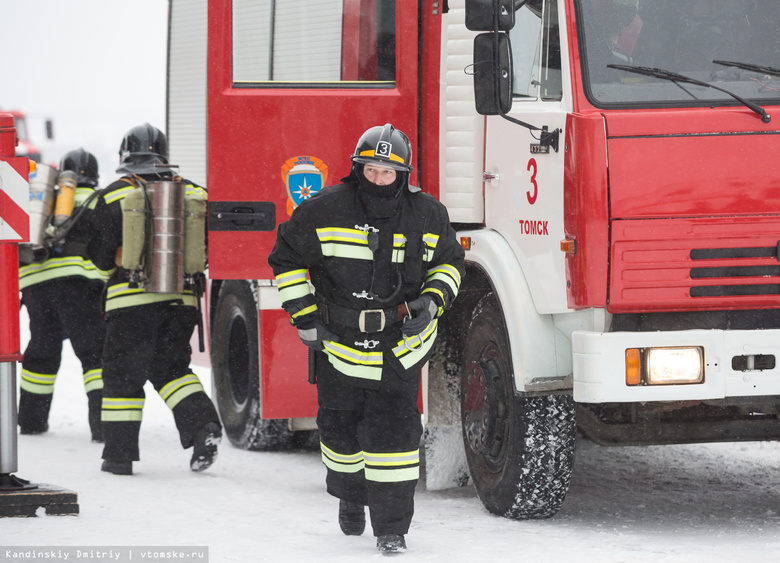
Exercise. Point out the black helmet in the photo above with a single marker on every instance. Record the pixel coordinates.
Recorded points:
(384, 145)
(84, 164)
(142, 147)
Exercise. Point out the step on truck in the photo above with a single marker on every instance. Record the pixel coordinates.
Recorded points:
(611, 169)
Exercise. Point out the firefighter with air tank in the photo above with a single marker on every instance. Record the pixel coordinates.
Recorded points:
(149, 230)
(61, 289)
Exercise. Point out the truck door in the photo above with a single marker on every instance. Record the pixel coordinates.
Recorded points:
(524, 180)
(291, 86)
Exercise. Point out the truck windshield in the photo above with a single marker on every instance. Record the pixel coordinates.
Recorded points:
(689, 37)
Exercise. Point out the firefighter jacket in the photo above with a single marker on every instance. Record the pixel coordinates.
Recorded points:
(367, 257)
(67, 251)
(105, 246)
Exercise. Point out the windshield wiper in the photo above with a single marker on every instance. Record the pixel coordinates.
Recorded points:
(675, 77)
(747, 66)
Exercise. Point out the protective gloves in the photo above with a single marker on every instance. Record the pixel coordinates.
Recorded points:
(424, 309)
(314, 333)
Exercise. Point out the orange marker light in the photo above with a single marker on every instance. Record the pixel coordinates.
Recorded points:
(569, 246)
(465, 242)
(633, 366)
(33, 166)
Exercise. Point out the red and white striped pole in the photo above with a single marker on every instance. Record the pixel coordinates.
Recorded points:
(14, 228)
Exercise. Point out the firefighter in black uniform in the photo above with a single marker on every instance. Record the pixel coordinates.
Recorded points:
(147, 334)
(385, 264)
(62, 293)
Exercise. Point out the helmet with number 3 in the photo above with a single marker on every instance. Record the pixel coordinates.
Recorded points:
(384, 146)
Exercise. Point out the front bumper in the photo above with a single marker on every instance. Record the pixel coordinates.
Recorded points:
(600, 372)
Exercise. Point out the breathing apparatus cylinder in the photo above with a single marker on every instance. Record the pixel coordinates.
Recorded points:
(134, 209)
(165, 272)
(41, 202)
(195, 233)
(66, 198)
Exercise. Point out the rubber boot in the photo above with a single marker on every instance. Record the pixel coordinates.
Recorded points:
(352, 518)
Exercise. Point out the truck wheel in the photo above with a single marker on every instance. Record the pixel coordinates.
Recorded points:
(235, 371)
(520, 450)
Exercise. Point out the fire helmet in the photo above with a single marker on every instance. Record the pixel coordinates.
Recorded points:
(84, 164)
(142, 147)
(385, 146)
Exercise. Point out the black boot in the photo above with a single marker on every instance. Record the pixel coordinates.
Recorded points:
(352, 518)
(204, 445)
(117, 467)
(391, 543)
(95, 400)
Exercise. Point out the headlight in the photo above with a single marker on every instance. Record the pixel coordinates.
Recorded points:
(664, 366)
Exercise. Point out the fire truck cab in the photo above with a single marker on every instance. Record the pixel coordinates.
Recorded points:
(609, 166)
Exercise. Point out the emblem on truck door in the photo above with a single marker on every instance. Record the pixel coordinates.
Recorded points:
(303, 177)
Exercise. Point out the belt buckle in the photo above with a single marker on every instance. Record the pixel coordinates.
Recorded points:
(364, 316)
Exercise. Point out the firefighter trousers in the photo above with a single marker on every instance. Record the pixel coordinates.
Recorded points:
(150, 343)
(61, 308)
(370, 443)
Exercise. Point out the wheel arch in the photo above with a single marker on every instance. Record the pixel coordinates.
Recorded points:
(491, 265)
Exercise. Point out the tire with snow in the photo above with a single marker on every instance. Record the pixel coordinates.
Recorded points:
(235, 371)
(520, 450)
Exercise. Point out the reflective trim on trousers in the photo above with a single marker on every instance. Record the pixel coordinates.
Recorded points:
(178, 389)
(93, 380)
(392, 467)
(116, 409)
(37, 383)
(341, 463)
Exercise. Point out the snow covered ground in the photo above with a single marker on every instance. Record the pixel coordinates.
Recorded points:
(701, 503)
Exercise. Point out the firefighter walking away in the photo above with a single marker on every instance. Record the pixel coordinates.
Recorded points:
(149, 230)
(61, 289)
(385, 265)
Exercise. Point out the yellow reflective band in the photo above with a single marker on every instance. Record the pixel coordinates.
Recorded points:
(336, 234)
(352, 354)
(391, 157)
(411, 352)
(121, 416)
(178, 389)
(54, 268)
(118, 194)
(305, 311)
(42, 378)
(358, 371)
(293, 276)
(189, 189)
(446, 274)
(344, 243)
(341, 463)
(37, 383)
(122, 295)
(115, 403)
(393, 475)
(431, 239)
(93, 380)
(392, 459)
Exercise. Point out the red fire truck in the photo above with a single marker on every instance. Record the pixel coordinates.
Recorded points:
(610, 166)
(27, 147)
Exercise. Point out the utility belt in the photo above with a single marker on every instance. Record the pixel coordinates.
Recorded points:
(366, 320)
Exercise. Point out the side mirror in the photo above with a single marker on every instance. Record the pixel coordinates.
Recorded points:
(49, 129)
(492, 92)
(480, 14)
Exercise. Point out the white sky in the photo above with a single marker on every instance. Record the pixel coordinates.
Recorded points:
(96, 67)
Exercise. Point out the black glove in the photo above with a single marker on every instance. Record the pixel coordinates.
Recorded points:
(425, 308)
(314, 333)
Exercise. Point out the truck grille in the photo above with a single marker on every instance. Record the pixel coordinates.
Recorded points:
(727, 263)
